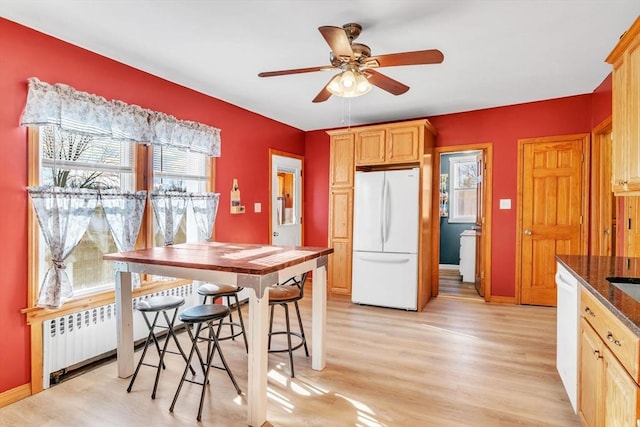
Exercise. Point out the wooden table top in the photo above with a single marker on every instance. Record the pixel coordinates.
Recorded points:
(241, 258)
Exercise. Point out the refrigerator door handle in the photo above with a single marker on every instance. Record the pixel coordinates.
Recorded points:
(383, 204)
(387, 210)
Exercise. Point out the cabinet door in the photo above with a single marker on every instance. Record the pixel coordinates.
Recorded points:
(620, 394)
(591, 377)
(632, 60)
(370, 145)
(626, 109)
(403, 145)
(341, 160)
(619, 164)
(340, 239)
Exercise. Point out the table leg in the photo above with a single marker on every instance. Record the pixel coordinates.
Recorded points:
(318, 317)
(258, 328)
(124, 324)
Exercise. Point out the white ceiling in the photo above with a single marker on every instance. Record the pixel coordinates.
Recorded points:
(497, 52)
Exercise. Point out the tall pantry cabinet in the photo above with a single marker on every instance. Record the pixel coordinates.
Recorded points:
(379, 147)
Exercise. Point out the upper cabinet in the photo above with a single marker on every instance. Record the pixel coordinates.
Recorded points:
(390, 144)
(625, 59)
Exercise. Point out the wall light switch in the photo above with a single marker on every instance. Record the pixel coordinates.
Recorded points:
(505, 203)
(257, 207)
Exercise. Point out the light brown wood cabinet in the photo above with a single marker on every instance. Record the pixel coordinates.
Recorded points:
(625, 58)
(341, 173)
(376, 148)
(389, 144)
(608, 366)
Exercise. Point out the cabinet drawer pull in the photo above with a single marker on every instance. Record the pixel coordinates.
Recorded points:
(612, 339)
(589, 312)
(597, 354)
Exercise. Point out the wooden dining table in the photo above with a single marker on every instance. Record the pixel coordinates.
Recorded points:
(252, 266)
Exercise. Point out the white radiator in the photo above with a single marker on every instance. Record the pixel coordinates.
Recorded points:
(80, 338)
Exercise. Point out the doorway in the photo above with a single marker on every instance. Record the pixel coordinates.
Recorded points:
(461, 256)
(285, 198)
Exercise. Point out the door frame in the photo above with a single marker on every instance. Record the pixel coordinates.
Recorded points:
(273, 152)
(487, 148)
(602, 209)
(584, 232)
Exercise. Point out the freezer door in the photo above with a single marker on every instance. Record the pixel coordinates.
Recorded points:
(385, 279)
(401, 213)
(367, 211)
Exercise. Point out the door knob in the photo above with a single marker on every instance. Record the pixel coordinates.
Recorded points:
(527, 232)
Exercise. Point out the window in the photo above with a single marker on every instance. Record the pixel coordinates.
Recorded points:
(463, 202)
(76, 161)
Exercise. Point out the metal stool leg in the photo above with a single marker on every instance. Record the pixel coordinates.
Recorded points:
(286, 316)
(150, 337)
(244, 334)
(194, 348)
(304, 340)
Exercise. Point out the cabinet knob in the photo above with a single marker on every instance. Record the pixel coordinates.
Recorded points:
(597, 354)
(589, 312)
(612, 339)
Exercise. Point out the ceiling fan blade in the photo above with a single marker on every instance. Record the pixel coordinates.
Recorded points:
(338, 41)
(386, 83)
(324, 94)
(418, 57)
(295, 71)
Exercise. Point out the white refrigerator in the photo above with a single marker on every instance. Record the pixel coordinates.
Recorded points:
(385, 238)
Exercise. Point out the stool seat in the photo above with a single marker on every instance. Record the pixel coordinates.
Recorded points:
(204, 313)
(217, 290)
(159, 303)
(284, 293)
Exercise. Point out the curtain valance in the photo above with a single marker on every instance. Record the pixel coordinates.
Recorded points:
(84, 113)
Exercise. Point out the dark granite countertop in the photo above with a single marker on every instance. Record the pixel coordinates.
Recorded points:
(592, 272)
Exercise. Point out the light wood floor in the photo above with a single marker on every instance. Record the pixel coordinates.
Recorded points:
(451, 284)
(459, 363)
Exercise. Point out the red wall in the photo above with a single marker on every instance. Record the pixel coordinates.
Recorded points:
(25, 53)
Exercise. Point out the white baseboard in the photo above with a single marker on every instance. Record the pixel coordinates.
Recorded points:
(449, 267)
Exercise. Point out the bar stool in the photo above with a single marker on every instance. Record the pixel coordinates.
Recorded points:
(209, 290)
(198, 315)
(157, 305)
(290, 291)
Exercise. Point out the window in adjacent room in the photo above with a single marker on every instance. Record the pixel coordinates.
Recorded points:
(463, 198)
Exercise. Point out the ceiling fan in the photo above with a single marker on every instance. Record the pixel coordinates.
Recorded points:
(357, 65)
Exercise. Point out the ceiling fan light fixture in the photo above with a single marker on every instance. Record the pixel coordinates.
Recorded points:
(349, 84)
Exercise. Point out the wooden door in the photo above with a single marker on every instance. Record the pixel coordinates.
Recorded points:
(479, 273)
(551, 211)
(591, 377)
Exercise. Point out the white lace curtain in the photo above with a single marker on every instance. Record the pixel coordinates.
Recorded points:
(83, 113)
(205, 210)
(170, 206)
(64, 215)
(123, 212)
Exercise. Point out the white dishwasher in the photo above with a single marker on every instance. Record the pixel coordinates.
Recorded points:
(568, 332)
